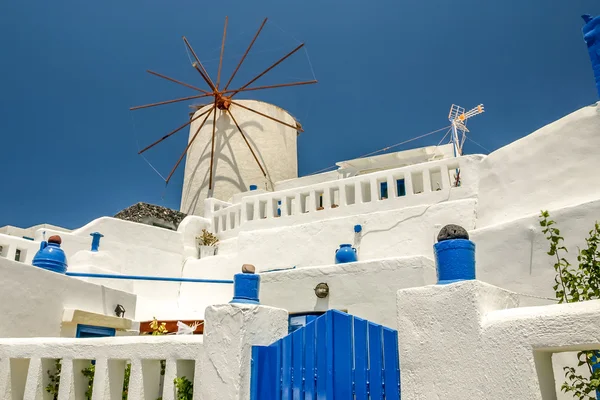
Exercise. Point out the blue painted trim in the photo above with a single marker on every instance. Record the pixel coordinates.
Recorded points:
(94, 331)
(28, 238)
(145, 278)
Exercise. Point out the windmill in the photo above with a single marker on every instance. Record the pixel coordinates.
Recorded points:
(458, 120)
(221, 98)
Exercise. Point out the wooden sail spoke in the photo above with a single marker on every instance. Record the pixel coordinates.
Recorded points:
(200, 67)
(188, 145)
(247, 143)
(222, 51)
(170, 101)
(176, 81)
(267, 116)
(270, 86)
(245, 54)
(172, 132)
(212, 147)
(282, 59)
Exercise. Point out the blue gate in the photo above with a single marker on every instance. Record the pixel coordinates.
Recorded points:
(335, 357)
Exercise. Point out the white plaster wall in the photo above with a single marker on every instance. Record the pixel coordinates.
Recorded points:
(551, 168)
(32, 300)
(137, 248)
(392, 233)
(521, 246)
(366, 289)
(234, 166)
(491, 350)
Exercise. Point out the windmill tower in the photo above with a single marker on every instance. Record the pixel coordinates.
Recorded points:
(233, 144)
(458, 121)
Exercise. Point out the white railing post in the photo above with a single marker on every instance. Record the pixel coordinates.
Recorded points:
(391, 187)
(445, 179)
(101, 388)
(426, 180)
(342, 195)
(374, 189)
(312, 201)
(5, 379)
(243, 212)
(284, 207)
(34, 389)
(66, 385)
(297, 209)
(327, 198)
(170, 375)
(358, 195)
(256, 210)
(408, 186)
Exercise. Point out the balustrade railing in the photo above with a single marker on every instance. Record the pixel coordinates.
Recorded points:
(391, 185)
(29, 366)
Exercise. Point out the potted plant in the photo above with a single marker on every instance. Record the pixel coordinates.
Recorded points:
(206, 243)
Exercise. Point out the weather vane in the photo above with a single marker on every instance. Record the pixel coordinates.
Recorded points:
(222, 99)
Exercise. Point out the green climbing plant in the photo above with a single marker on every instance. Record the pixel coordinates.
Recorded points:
(185, 388)
(54, 377)
(573, 284)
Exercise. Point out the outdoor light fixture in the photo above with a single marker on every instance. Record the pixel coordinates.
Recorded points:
(322, 290)
(120, 311)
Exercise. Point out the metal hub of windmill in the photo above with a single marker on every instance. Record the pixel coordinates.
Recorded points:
(222, 100)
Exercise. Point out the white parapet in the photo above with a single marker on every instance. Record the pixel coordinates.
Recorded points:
(26, 365)
(468, 341)
(420, 184)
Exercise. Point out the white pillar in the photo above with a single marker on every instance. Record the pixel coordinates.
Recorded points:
(426, 180)
(34, 389)
(374, 190)
(440, 325)
(230, 331)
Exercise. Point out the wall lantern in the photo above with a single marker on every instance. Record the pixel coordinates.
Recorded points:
(322, 290)
(120, 311)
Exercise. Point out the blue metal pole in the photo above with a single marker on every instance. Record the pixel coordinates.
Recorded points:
(455, 145)
(146, 278)
(96, 240)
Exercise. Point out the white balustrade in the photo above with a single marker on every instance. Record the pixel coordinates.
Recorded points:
(25, 365)
(416, 180)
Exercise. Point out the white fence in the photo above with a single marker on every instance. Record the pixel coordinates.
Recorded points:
(26, 366)
(403, 186)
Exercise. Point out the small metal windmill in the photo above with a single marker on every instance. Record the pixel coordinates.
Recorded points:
(458, 120)
(222, 99)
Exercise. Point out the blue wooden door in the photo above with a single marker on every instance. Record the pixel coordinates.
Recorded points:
(335, 357)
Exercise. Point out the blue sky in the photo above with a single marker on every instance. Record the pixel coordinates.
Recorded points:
(388, 71)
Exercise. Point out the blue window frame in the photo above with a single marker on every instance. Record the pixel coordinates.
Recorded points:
(383, 190)
(401, 187)
(88, 331)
